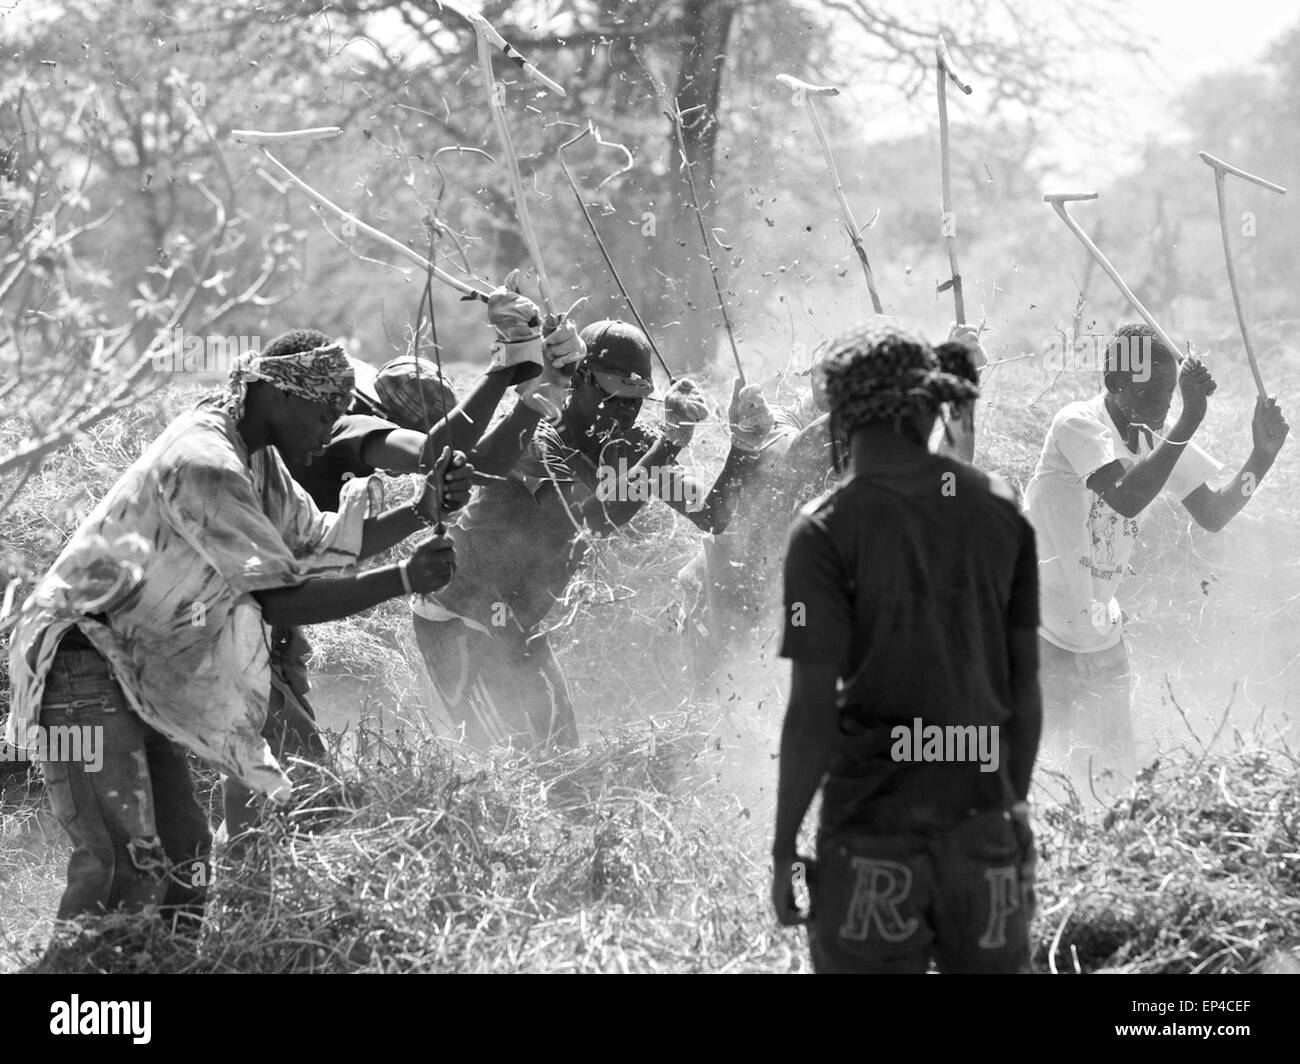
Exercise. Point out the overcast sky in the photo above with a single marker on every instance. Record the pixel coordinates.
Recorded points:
(1197, 39)
(1190, 40)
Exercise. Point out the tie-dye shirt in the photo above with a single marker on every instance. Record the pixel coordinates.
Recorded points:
(160, 577)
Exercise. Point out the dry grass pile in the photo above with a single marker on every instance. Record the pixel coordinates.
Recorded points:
(639, 852)
(1197, 870)
(603, 859)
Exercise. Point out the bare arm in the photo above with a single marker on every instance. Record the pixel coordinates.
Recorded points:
(675, 487)
(1022, 732)
(500, 449)
(393, 526)
(1129, 493)
(317, 601)
(407, 451)
(604, 514)
(811, 724)
(1026, 724)
(387, 530)
(718, 506)
(1213, 509)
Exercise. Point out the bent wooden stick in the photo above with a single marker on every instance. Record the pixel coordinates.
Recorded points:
(591, 224)
(497, 107)
(675, 117)
(257, 136)
(484, 31)
(370, 231)
(1058, 200)
(944, 71)
(804, 92)
(1221, 171)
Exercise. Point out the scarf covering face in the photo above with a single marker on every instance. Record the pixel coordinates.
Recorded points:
(323, 375)
(882, 371)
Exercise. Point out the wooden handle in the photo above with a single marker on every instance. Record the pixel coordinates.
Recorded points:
(795, 85)
(1227, 168)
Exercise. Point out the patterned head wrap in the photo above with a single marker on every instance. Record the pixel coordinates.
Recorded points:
(882, 371)
(322, 375)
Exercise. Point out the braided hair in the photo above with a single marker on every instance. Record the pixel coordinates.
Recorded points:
(883, 372)
(295, 342)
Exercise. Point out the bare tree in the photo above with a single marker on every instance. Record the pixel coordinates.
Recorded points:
(68, 362)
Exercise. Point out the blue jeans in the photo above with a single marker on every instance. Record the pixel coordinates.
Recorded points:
(139, 835)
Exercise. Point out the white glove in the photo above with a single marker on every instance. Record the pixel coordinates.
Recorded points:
(970, 336)
(750, 417)
(684, 406)
(518, 326)
(564, 347)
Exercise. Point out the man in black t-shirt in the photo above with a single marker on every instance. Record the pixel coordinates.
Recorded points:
(732, 587)
(912, 588)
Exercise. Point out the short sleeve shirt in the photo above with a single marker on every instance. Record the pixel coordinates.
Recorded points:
(910, 580)
(325, 476)
(1084, 544)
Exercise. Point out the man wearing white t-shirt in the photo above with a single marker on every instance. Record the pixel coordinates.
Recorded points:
(1104, 461)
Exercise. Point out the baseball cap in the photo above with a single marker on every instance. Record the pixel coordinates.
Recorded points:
(618, 355)
(413, 393)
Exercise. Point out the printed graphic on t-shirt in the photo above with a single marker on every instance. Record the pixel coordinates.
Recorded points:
(1112, 537)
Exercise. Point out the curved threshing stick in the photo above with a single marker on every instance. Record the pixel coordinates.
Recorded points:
(675, 117)
(483, 29)
(486, 37)
(1221, 171)
(804, 93)
(248, 136)
(1058, 200)
(591, 224)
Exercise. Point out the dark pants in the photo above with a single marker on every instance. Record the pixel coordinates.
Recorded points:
(501, 688)
(891, 902)
(1087, 709)
(139, 835)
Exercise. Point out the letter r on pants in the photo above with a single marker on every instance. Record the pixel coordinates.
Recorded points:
(877, 892)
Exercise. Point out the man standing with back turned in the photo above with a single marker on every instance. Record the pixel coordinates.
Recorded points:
(911, 598)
